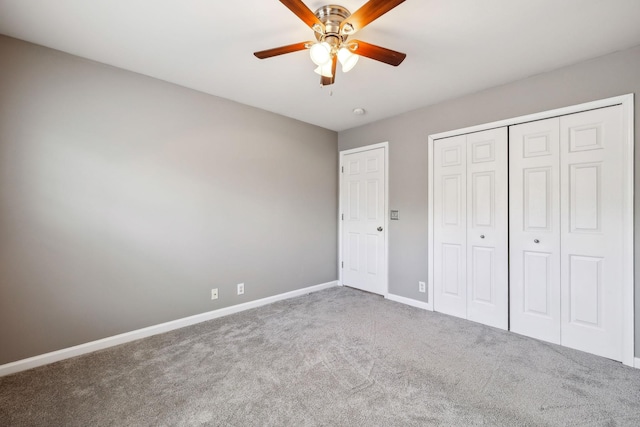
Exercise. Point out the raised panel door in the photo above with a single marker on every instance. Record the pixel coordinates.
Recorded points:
(450, 223)
(534, 229)
(487, 239)
(592, 237)
(364, 236)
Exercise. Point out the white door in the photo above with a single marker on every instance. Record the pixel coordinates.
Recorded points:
(534, 229)
(487, 237)
(470, 227)
(570, 221)
(450, 226)
(566, 235)
(363, 226)
(591, 154)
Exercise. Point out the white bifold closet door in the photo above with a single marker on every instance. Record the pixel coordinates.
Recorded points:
(534, 229)
(566, 230)
(470, 227)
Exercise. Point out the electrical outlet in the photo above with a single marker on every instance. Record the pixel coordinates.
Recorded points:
(214, 293)
(422, 287)
(240, 288)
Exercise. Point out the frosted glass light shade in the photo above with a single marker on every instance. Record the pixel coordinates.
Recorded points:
(320, 53)
(325, 70)
(347, 59)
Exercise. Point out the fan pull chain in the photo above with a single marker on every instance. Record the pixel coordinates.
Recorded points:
(330, 91)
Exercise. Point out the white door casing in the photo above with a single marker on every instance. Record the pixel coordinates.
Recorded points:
(534, 229)
(450, 239)
(591, 155)
(363, 188)
(487, 234)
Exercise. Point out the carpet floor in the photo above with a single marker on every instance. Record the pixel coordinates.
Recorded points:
(338, 357)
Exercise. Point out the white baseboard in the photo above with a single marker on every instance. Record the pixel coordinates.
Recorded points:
(66, 353)
(636, 362)
(409, 301)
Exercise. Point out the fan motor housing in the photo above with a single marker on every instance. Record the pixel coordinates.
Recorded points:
(332, 15)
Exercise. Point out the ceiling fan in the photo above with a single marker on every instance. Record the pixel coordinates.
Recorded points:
(333, 25)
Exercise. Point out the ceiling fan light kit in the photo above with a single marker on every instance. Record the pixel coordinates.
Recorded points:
(320, 53)
(332, 25)
(347, 59)
(325, 69)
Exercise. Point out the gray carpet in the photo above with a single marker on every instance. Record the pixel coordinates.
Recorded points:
(337, 357)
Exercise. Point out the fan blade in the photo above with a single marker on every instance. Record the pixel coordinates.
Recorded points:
(378, 53)
(264, 54)
(326, 81)
(303, 12)
(368, 13)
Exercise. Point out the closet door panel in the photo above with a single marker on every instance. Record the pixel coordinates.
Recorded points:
(534, 229)
(487, 240)
(450, 224)
(592, 240)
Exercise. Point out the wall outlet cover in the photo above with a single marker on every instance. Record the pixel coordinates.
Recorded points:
(214, 293)
(240, 288)
(422, 287)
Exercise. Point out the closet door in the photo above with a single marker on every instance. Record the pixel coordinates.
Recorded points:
(592, 235)
(450, 223)
(534, 229)
(470, 227)
(487, 240)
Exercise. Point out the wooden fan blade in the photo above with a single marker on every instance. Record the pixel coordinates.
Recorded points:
(303, 12)
(326, 81)
(369, 12)
(264, 54)
(378, 53)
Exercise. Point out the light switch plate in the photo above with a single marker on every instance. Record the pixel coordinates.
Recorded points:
(395, 216)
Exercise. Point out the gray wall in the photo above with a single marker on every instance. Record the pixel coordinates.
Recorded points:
(124, 200)
(611, 75)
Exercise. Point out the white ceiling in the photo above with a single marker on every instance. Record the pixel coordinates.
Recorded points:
(453, 47)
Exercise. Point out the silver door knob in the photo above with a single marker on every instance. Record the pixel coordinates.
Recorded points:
(379, 228)
(536, 241)
(482, 236)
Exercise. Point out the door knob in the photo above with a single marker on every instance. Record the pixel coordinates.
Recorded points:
(536, 241)
(379, 228)
(482, 236)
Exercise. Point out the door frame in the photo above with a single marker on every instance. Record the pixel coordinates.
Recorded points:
(385, 146)
(627, 103)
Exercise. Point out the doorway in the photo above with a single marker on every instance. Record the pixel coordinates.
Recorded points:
(363, 220)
